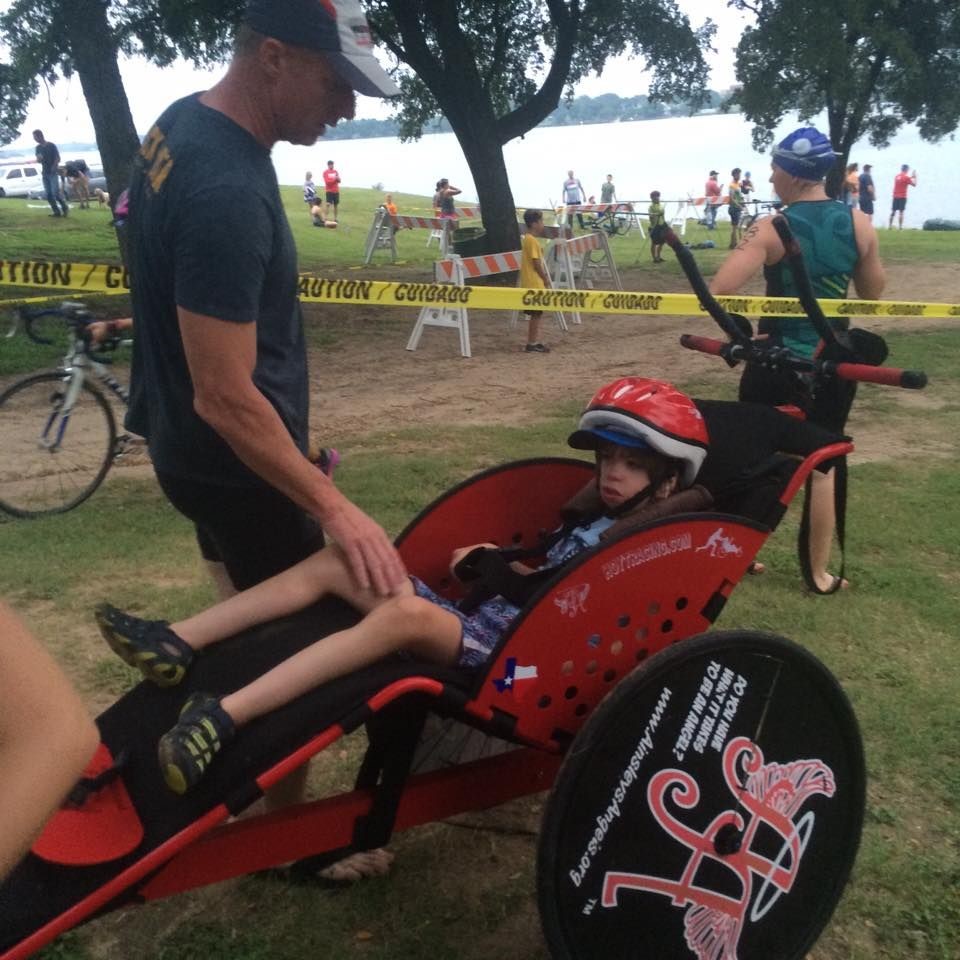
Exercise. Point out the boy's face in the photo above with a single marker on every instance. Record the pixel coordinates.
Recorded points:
(536, 228)
(623, 473)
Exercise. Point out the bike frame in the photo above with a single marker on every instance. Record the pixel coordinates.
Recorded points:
(78, 365)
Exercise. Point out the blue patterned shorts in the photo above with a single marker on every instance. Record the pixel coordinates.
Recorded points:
(481, 629)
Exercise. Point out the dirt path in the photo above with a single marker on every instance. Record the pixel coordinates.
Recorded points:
(375, 384)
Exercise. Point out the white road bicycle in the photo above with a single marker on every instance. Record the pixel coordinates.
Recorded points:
(58, 432)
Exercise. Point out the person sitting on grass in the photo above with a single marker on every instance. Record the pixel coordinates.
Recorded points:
(649, 441)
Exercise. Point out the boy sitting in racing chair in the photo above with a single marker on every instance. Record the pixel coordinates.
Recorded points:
(649, 441)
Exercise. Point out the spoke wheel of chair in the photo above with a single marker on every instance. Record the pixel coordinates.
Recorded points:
(711, 807)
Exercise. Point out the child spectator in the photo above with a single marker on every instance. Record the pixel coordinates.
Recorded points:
(533, 274)
(657, 219)
(309, 191)
(736, 206)
(649, 441)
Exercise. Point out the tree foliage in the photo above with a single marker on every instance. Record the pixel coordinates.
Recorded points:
(497, 68)
(51, 39)
(873, 65)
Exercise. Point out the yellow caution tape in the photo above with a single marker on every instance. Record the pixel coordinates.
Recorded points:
(59, 277)
(314, 289)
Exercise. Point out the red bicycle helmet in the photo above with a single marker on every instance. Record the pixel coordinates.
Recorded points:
(639, 412)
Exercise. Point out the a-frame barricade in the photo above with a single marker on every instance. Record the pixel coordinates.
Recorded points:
(460, 271)
(466, 212)
(570, 261)
(446, 314)
(596, 263)
(441, 224)
(381, 235)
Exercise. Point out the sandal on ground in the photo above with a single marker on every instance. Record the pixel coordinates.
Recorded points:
(756, 568)
(186, 750)
(836, 585)
(149, 645)
(335, 876)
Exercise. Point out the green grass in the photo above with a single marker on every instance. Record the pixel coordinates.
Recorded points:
(469, 893)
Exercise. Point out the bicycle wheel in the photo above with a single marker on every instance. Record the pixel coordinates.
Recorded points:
(51, 463)
(711, 807)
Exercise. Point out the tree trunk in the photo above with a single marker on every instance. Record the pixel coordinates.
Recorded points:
(95, 54)
(484, 156)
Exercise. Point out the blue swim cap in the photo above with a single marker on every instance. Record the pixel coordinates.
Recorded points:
(805, 153)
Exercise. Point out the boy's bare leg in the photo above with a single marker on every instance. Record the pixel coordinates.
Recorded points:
(321, 573)
(533, 328)
(398, 623)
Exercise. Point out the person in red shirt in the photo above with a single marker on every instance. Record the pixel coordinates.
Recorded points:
(901, 183)
(712, 192)
(331, 186)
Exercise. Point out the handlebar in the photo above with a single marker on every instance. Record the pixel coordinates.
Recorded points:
(75, 314)
(773, 356)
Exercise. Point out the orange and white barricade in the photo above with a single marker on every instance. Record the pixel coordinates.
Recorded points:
(571, 262)
(443, 225)
(466, 212)
(381, 236)
(460, 271)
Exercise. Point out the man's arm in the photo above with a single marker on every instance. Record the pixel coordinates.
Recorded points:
(869, 277)
(221, 357)
(760, 245)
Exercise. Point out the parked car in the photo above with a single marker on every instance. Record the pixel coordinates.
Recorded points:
(20, 178)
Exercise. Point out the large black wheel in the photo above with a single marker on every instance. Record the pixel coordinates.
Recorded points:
(50, 463)
(710, 808)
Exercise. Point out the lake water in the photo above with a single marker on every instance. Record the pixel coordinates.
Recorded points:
(671, 155)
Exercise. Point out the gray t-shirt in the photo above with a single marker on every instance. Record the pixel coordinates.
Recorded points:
(209, 234)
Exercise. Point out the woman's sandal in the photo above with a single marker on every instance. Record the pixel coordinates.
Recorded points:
(836, 585)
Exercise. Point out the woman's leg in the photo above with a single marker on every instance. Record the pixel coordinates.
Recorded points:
(399, 623)
(322, 573)
(823, 521)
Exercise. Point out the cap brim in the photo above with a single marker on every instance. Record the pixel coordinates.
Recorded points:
(364, 74)
(591, 439)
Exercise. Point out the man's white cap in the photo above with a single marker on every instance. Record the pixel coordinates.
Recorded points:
(337, 28)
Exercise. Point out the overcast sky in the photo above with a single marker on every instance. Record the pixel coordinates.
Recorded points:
(61, 111)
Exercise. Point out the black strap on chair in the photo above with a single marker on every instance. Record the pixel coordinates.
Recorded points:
(491, 575)
(86, 787)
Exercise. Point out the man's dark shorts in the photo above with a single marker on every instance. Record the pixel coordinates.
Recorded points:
(899, 203)
(333, 197)
(735, 214)
(255, 532)
(866, 206)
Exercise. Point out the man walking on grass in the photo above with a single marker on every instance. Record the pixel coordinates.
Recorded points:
(48, 156)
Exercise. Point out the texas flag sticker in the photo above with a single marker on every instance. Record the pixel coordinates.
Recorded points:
(516, 679)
